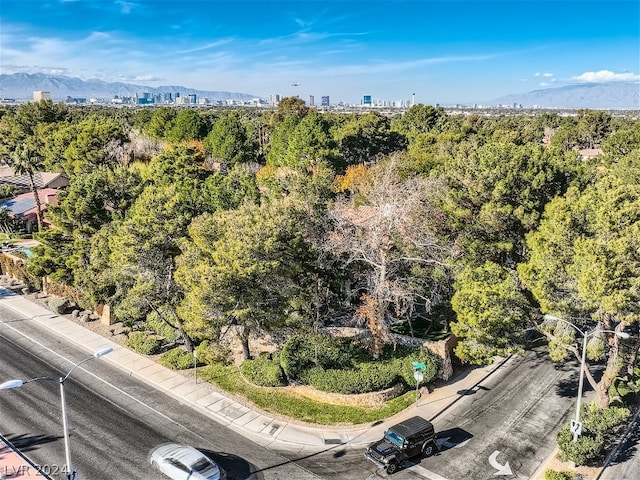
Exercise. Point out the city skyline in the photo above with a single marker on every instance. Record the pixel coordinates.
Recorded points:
(444, 52)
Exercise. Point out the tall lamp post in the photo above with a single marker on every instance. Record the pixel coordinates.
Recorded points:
(71, 473)
(576, 426)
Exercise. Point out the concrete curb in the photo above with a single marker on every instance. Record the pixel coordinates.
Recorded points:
(260, 427)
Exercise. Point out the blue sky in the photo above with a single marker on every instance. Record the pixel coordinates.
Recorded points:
(453, 51)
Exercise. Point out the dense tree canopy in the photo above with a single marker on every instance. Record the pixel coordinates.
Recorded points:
(263, 218)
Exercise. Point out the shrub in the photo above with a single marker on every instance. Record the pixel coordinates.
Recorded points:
(369, 377)
(210, 353)
(551, 474)
(424, 356)
(177, 359)
(303, 352)
(599, 427)
(159, 326)
(586, 449)
(263, 371)
(143, 343)
(58, 305)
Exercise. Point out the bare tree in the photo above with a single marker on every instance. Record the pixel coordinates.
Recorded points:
(386, 229)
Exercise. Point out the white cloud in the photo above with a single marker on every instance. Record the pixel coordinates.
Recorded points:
(141, 78)
(547, 75)
(603, 76)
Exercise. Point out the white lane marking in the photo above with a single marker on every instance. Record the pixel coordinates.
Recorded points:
(425, 473)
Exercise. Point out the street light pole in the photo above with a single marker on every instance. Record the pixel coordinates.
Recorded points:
(576, 426)
(576, 431)
(71, 473)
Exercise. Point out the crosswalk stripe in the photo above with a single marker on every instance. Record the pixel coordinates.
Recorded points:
(426, 473)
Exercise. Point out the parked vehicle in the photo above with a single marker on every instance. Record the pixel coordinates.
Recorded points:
(181, 462)
(401, 442)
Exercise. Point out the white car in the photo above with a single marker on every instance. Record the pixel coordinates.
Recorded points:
(181, 462)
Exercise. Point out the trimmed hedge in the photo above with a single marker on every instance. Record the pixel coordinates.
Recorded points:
(263, 371)
(143, 343)
(369, 377)
(339, 365)
(303, 352)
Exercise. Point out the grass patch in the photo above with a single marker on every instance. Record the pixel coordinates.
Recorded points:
(282, 402)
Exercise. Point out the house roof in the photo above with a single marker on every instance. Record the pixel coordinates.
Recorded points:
(41, 179)
(24, 205)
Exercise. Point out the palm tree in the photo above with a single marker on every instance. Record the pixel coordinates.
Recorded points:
(26, 160)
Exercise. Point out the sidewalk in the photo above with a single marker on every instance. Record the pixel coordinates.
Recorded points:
(258, 426)
(14, 464)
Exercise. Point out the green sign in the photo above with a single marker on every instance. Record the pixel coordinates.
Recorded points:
(419, 366)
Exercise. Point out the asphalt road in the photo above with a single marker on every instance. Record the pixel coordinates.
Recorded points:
(625, 465)
(510, 417)
(115, 420)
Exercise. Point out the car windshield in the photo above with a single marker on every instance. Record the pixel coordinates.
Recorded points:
(394, 438)
(202, 465)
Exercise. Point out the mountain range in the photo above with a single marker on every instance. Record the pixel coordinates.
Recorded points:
(603, 96)
(20, 86)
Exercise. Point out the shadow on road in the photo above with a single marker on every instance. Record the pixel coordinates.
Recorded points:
(27, 443)
(237, 468)
(629, 449)
(452, 438)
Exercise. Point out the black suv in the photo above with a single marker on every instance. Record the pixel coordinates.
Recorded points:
(407, 439)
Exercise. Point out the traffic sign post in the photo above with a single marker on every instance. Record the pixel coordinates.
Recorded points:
(418, 374)
(576, 429)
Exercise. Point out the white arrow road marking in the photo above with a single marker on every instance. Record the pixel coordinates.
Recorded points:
(425, 473)
(502, 469)
(444, 442)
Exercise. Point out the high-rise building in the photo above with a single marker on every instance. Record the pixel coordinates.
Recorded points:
(274, 100)
(324, 101)
(192, 99)
(311, 100)
(37, 96)
(366, 100)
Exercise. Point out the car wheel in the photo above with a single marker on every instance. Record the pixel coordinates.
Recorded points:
(428, 449)
(392, 468)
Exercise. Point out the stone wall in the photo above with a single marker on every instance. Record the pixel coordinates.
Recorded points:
(365, 400)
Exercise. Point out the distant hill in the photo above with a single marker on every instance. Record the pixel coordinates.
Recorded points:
(618, 96)
(21, 86)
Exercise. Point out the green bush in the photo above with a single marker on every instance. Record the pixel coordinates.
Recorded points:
(303, 352)
(177, 359)
(405, 368)
(626, 388)
(369, 377)
(556, 475)
(586, 449)
(599, 427)
(263, 371)
(143, 343)
(156, 324)
(210, 353)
